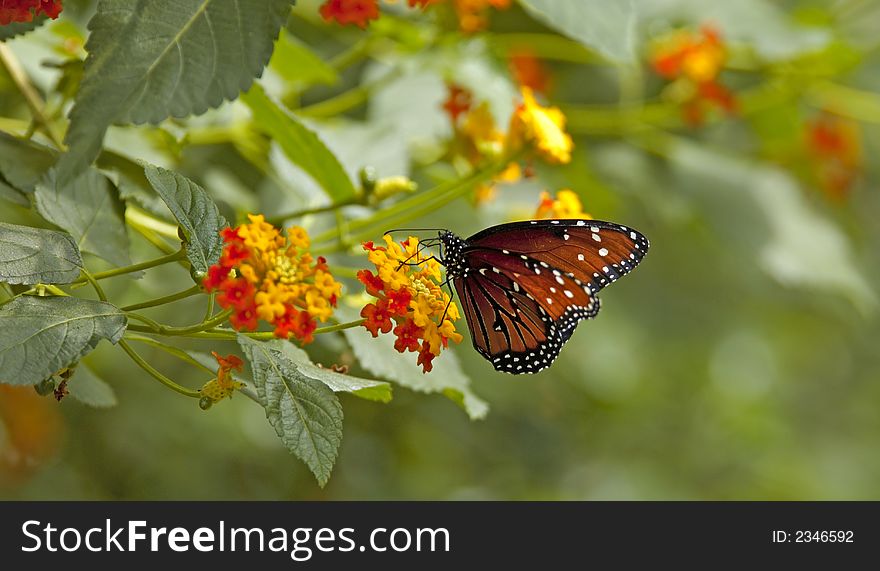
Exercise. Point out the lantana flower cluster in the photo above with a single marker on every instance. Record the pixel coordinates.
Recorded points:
(26, 10)
(472, 14)
(834, 145)
(476, 136)
(566, 204)
(263, 275)
(224, 384)
(693, 62)
(409, 300)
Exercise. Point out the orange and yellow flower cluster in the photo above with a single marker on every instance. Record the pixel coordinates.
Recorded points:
(224, 384)
(835, 149)
(566, 204)
(477, 137)
(263, 275)
(694, 61)
(409, 300)
(472, 14)
(26, 10)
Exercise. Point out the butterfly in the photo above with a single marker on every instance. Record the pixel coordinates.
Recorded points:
(524, 286)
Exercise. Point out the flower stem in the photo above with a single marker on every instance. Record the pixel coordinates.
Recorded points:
(147, 220)
(194, 290)
(156, 374)
(186, 331)
(228, 335)
(91, 279)
(31, 96)
(174, 351)
(281, 218)
(178, 255)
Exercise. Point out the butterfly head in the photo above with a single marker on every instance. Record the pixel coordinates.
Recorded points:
(452, 254)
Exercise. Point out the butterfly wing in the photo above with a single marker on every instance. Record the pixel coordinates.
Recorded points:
(528, 284)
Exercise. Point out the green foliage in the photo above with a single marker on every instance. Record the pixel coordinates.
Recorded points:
(14, 29)
(88, 388)
(88, 208)
(149, 60)
(299, 65)
(23, 162)
(300, 145)
(607, 27)
(200, 221)
(34, 255)
(303, 410)
(41, 335)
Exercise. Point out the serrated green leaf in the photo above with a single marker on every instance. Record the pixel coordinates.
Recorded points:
(22, 162)
(88, 208)
(34, 255)
(89, 389)
(9, 31)
(380, 358)
(606, 27)
(365, 388)
(296, 63)
(196, 213)
(300, 144)
(151, 59)
(305, 413)
(41, 335)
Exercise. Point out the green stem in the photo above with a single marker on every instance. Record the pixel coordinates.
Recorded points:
(209, 311)
(30, 94)
(174, 351)
(357, 52)
(281, 218)
(194, 290)
(228, 335)
(178, 255)
(347, 100)
(160, 329)
(156, 374)
(153, 325)
(147, 220)
(91, 279)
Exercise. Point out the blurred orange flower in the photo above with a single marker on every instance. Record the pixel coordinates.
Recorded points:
(357, 12)
(834, 143)
(566, 204)
(25, 10)
(529, 71)
(30, 430)
(694, 62)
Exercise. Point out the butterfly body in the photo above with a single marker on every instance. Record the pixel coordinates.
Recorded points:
(525, 286)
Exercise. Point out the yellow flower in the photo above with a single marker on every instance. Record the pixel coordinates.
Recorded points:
(542, 126)
(565, 205)
(223, 385)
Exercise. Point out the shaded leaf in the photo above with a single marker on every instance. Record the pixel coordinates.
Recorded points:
(34, 255)
(305, 413)
(196, 213)
(89, 389)
(296, 63)
(88, 208)
(339, 383)
(380, 358)
(151, 59)
(13, 195)
(41, 335)
(23, 162)
(606, 27)
(300, 144)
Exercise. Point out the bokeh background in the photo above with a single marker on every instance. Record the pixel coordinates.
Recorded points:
(741, 360)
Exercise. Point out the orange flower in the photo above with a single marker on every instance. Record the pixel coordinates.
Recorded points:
(457, 102)
(357, 12)
(25, 10)
(409, 300)
(263, 275)
(565, 205)
(694, 62)
(224, 384)
(529, 71)
(473, 14)
(543, 127)
(834, 144)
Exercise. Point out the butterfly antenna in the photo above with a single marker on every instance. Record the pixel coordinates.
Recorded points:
(413, 230)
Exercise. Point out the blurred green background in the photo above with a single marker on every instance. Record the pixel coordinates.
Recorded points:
(739, 361)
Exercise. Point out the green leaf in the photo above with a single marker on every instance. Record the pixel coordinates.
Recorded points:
(89, 389)
(22, 162)
(365, 388)
(380, 358)
(196, 213)
(41, 335)
(13, 195)
(34, 255)
(90, 210)
(296, 63)
(304, 411)
(301, 145)
(606, 27)
(151, 59)
(9, 31)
